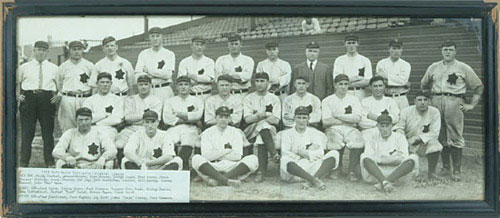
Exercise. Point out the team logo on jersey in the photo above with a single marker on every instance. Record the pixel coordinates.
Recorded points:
(119, 74)
(109, 109)
(190, 108)
(157, 152)
(348, 109)
(452, 79)
(361, 72)
(308, 145)
(385, 112)
(269, 108)
(310, 108)
(426, 128)
(84, 77)
(93, 149)
(200, 72)
(228, 146)
(161, 64)
(238, 69)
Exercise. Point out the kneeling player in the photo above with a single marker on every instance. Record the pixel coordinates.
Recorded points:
(386, 157)
(84, 147)
(150, 148)
(303, 152)
(221, 161)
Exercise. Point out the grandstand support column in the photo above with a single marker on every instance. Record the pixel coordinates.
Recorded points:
(252, 23)
(146, 26)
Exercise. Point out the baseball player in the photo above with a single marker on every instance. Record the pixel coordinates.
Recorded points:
(74, 84)
(377, 104)
(224, 98)
(448, 79)
(279, 70)
(221, 161)
(107, 108)
(354, 65)
(421, 124)
(397, 72)
(301, 98)
(37, 87)
(84, 147)
(150, 148)
(303, 152)
(182, 113)
(340, 115)
(120, 69)
(238, 66)
(311, 26)
(134, 108)
(199, 68)
(386, 158)
(262, 111)
(158, 63)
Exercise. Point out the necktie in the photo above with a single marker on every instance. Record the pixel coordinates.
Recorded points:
(311, 66)
(40, 77)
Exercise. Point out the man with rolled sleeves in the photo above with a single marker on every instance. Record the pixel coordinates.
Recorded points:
(320, 79)
(150, 148)
(447, 79)
(303, 152)
(279, 70)
(199, 68)
(158, 63)
(356, 66)
(301, 98)
(73, 84)
(421, 124)
(238, 66)
(120, 69)
(397, 73)
(341, 114)
(84, 147)
(221, 161)
(36, 90)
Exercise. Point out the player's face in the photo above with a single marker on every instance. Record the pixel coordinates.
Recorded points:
(156, 39)
(422, 103)
(223, 120)
(40, 54)
(449, 53)
(385, 129)
(144, 87)
(150, 125)
(312, 54)
(224, 87)
(198, 48)
(301, 86)
(83, 123)
(76, 53)
(261, 84)
(234, 47)
(301, 120)
(272, 52)
(341, 87)
(351, 46)
(378, 88)
(395, 52)
(104, 85)
(110, 48)
(183, 88)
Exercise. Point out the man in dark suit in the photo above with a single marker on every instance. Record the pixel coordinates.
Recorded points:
(319, 74)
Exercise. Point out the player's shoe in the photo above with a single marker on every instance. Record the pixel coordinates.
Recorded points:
(388, 187)
(197, 179)
(352, 177)
(259, 177)
(234, 183)
(319, 184)
(276, 158)
(307, 185)
(456, 176)
(379, 187)
(445, 172)
(212, 182)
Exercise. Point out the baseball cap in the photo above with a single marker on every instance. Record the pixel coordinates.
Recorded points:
(301, 110)
(223, 110)
(73, 44)
(312, 45)
(234, 37)
(351, 37)
(104, 75)
(448, 43)
(183, 79)
(305, 78)
(150, 115)
(261, 75)
(144, 78)
(423, 93)
(376, 78)
(341, 77)
(41, 44)
(84, 111)
(225, 77)
(154, 30)
(108, 39)
(271, 45)
(384, 118)
(395, 43)
(199, 39)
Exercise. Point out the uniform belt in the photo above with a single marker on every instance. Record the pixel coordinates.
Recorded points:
(84, 95)
(201, 93)
(355, 88)
(389, 86)
(36, 91)
(449, 94)
(161, 85)
(396, 95)
(122, 93)
(215, 161)
(240, 91)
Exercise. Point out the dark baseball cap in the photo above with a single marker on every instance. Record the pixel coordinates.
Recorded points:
(262, 75)
(351, 37)
(41, 44)
(223, 110)
(144, 78)
(395, 43)
(341, 77)
(234, 37)
(199, 39)
(84, 111)
(312, 45)
(225, 77)
(423, 93)
(154, 30)
(150, 115)
(301, 110)
(104, 75)
(108, 39)
(376, 78)
(271, 45)
(384, 118)
(183, 79)
(73, 44)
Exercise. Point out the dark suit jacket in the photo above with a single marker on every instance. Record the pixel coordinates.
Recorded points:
(320, 81)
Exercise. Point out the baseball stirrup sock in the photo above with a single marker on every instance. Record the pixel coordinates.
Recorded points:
(131, 166)
(185, 154)
(266, 136)
(262, 157)
(248, 150)
(172, 166)
(239, 170)
(327, 165)
(456, 157)
(354, 157)
(341, 156)
(211, 172)
(432, 160)
(445, 157)
(197, 150)
(296, 170)
(373, 169)
(119, 156)
(403, 169)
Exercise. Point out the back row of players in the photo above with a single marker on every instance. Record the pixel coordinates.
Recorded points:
(120, 100)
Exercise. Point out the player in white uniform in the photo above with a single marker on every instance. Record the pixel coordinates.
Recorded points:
(354, 65)
(341, 114)
(158, 63)
(107, 108)
(421, 124)
(74, 85)
(150, 148)
(221, 161)
(301, 98)
(303, 152)
(84, 147)
(199, 68)
(386, 158)
(183, 114)
(397, 73)
(262, 111)
(120, 69)
(238, 66)
(279, 70)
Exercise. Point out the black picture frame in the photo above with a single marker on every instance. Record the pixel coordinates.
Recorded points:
(421, 9)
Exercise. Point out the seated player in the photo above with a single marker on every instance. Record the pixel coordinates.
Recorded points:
(386, 157)
(421, 124)
(224, 98)
(182, 113)
(262, 111)
(150, 148)
(221, 161)
(301, 98)
(84, 147)
(303, 152)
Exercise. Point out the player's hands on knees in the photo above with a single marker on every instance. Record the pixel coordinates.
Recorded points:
(55, 99)
(99, 164)
(466, 107)
(70, 160)
(415, 140)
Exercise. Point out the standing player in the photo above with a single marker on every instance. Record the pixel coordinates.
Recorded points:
(199, 68)
(303, 152)
(317, 72)
(84, 147)
(340, 115)
(74, 84)
(279, 70)
(301, 98)
(238, 66)
(397, 72)
(421, 124)
(354, 65)
(377, 104)
(158, 63)
(262, 111)
(221, 161)
(182, 113)
(37, 88)
(120, 69)
(447, 80)
(150, 148)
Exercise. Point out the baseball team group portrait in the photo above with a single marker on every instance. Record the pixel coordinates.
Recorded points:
(260, 108)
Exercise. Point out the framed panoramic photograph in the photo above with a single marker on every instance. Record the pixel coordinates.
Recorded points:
(250, 108)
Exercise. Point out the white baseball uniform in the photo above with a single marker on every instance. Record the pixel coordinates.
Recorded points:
(358, 65)
(397, 75)
(293, 101)
(242, 65)
(187, 134)
(157, 64)
(233, 103)
(203, 69)
(254, 103)
(121, 71)
(279, 71)
(107, 110)
(377, 107)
